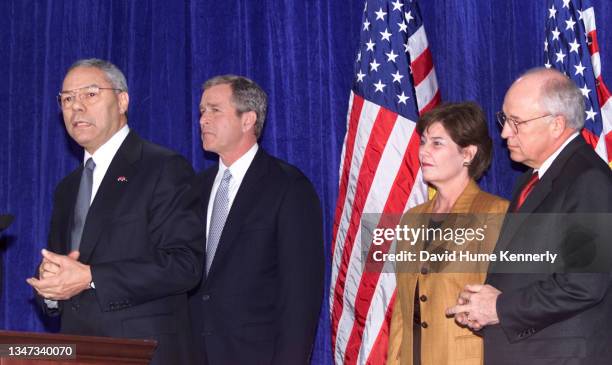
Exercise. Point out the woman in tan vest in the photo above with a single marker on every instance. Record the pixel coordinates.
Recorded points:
(455, 150)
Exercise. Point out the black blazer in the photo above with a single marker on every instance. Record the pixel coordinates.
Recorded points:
(561, 317)
(142, 238)
(261, 300)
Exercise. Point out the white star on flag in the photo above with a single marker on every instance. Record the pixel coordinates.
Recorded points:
(374, 65)
(360, 76)
(391, 56)
(385, 36)
(402, 26)
(408, 16)
(380, 14)
(379, 86)
(370, 45)
(397, 77)
(574, 46)
(585, 91)
(560, 56)
(402, 98)
(579, 69)
(591, 114)
(552, 12)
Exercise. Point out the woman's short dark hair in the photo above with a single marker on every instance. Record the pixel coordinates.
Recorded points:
(466, 124)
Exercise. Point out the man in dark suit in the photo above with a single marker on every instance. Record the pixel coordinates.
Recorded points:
(124, 244)
(541, 317)
(259, 297)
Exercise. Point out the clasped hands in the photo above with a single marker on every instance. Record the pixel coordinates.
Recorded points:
(476, 307)
(61, 276)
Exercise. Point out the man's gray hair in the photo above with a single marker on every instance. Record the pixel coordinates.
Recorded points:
(559, 95)
(112, 72)
(247, 96)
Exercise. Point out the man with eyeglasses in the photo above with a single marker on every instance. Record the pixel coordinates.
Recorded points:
(124, 244)
(547, 316)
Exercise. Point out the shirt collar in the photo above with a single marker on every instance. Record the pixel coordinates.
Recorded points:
(239, 168)
(104, 155)
(546, 164)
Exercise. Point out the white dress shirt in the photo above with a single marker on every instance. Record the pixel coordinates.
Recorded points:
(238, 169)
(546, 164)
(104, 156)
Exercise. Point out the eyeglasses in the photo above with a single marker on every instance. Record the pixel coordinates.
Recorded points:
(88, 95)
(502, 119)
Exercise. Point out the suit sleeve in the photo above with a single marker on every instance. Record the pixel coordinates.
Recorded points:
(53, 244)
(560, 296)
(301, 270)
(524, 312)
(173, 264)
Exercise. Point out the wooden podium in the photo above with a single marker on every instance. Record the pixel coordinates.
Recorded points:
(87, 350)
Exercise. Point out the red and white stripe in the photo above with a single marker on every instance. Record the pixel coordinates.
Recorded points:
(423, 72)
(379, 173)
(603, 142)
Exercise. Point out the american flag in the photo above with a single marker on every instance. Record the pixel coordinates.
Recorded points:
(394, 83)
(571, 47)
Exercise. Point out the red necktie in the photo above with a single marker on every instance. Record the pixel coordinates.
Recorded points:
(526, 190)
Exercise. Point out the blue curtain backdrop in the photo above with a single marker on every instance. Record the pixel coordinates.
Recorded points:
(301, 52)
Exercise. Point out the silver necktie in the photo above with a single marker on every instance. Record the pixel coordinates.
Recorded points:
(82, 204)
(217, 219)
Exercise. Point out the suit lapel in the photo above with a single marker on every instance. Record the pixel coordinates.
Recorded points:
(110, 193)
(67, 199)
(512, 221)
(459, 217)
(518, 186)
(467, 197)
(204, 186)
(244, 203)
(540, 192)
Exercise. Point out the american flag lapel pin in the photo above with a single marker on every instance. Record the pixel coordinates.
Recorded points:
(122, 179)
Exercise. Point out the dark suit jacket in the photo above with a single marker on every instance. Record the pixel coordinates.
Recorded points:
(260, 302)
(142, 238)
(561, 317)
